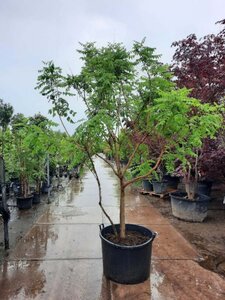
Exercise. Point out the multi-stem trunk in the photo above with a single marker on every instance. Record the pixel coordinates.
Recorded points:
(38, 185)
(122, 210)
(190, 188)
(24, 186)
(191, 181)
(190, 185)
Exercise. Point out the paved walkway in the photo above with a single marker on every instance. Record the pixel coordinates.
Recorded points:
(60, 257)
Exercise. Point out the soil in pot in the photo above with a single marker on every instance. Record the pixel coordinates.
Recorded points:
(127, 264)
(189, 210)
(132, 238)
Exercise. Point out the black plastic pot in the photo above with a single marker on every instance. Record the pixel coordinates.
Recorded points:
(126, 264)
(45, 188)
(172, 181)
(189, 210)
(24, 203)
(204, 187)
(36, 198)
(8, 188)
(147, 185)
(159, 187)
(16, 187)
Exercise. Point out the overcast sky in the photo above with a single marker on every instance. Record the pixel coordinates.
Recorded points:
(32, 31)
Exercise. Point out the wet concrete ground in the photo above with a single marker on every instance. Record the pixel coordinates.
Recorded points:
(60, 257)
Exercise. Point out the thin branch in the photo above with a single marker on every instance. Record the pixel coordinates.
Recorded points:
(63, 125)
(116, 150)
(117, 161)
(108, 163)
(149, 173)
(134, 152)
(100, 191)
(83, 96)
(196, 167)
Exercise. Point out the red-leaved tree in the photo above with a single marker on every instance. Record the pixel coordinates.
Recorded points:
(199, 64)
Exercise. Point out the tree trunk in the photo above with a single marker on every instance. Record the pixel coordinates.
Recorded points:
(38, 185)
(122, 210)
(24, 187)
(190, 188)
(4, 210)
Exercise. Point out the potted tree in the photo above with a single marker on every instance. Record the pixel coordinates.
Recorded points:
(204, 74)
(6, 112)
(115, 94)
(29, 151)
(212, 162)
(42, 142)
(159, 183)
(192, 205)
(23, 159)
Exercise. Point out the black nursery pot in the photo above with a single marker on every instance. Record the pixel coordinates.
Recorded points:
(16, 188)
(36, 198)
(172, 181)
(45, 188)
(160, 187)
(126, 264)
(204, 187)
(24, 203)
(147, 185)
(189, 210)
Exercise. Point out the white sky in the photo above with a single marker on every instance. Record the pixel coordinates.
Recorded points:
(32, 31)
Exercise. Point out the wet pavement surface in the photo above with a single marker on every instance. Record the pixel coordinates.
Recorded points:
(60, 256)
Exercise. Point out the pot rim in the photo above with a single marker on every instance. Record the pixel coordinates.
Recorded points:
(203, 199)
(160, 181)
(22, 197)
(154, 234)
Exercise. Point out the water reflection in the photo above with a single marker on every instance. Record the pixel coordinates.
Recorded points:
(84, 192)
(21, 280)
(24, 279)
(56, 250)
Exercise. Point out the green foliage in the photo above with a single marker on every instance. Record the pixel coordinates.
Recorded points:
(52, 85)
(183, 122)
(127, 91)
(6, 112)
(154, 76)
(26, 148)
